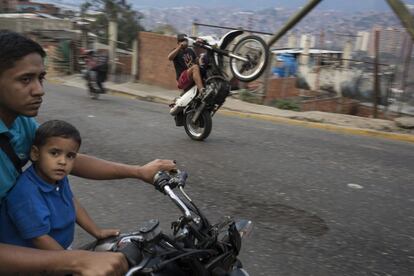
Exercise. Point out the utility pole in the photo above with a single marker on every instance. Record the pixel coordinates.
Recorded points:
(113, 38)
(376, 91)
(194, 29)
(289, 25)
(407, 52)
(319, 61)
(407, 19)
(407, 60)
(293, 21)
(134, 63)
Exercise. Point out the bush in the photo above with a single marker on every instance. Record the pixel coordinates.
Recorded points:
(285, 104)
(247, 96)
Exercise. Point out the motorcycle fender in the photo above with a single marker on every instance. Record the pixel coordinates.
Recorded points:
(224, 42)
(185, 99)
(228, 38)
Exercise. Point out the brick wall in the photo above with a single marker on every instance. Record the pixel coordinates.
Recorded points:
(281, 88)
(334, 105)
(153, 65)
(125, 64)
(368, 111)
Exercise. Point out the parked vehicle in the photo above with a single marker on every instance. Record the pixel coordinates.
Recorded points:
(195, 248)
(247, 60)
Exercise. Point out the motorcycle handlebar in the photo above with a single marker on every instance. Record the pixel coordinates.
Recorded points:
(207, 46)
(201, 43)
(178, 202)
(172, 179)
(181, 178)
(166, 182)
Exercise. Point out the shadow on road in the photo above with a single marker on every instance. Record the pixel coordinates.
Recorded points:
(307, 223)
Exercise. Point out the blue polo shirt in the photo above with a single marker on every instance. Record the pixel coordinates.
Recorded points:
(21, 134)
(34, 208)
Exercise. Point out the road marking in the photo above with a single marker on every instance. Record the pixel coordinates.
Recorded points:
(354, 186)
(91, 116)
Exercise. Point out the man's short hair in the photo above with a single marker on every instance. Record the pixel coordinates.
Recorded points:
(14, 46)
(56, 128)
(181, 37)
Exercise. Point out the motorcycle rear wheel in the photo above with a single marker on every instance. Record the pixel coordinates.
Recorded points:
(201, 129)
(92, 91)
(94, 96)
(256, 51)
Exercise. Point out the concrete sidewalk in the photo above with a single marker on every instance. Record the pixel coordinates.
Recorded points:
(330, 121)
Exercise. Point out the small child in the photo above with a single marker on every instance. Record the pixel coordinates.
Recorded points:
(41, 211)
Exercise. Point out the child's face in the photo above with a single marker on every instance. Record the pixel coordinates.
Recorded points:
(21, 87)
(55, 159)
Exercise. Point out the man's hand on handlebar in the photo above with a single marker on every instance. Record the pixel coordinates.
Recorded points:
(100, 264)
(147, 172)
(199, 42)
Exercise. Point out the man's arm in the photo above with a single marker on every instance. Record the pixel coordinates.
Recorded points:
(174, 52)
(87, 223)
(46, 242)
(14, 259)
(93, 168)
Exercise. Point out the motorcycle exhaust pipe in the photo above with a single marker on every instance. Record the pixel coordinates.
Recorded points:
(176, 109)
(198, 112)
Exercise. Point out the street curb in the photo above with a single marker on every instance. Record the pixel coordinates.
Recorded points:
(153, 99)
(333, 128)
(55, 80)
(274, 118)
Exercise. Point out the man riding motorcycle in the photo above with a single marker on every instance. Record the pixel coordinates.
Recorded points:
(186, 66)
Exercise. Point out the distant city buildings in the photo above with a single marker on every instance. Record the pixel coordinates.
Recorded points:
(25, 6)
(390, 41)
(307, 39)
(362, 41)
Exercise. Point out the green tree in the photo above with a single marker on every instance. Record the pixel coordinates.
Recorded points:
(119, 11)
(165, 29)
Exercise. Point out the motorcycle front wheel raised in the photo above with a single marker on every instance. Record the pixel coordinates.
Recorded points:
(255, 53)
(201, 129)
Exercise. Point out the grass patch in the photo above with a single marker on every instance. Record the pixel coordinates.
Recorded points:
(285, 104)
(247, 96)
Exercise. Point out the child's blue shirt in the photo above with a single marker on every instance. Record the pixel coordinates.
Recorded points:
(34, 208)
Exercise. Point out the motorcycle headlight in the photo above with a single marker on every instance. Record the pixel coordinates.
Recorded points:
(244, 227)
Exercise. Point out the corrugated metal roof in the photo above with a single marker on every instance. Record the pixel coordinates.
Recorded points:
(28, 15)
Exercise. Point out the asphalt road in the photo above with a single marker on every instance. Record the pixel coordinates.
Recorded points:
(322, 203)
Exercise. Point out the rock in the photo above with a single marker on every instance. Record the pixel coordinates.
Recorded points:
(405, 122)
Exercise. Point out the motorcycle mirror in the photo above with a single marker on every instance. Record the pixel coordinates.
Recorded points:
(244, 227)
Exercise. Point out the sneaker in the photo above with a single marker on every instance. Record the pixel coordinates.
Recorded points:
(171, 105)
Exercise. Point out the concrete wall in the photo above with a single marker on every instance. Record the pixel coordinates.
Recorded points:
(333, 78)
(153, 64)
(24, 25)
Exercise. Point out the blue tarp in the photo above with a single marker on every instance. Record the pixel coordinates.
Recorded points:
(287, 65)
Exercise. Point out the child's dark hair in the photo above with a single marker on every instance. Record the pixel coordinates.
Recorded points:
(14, 46)
(56, 128)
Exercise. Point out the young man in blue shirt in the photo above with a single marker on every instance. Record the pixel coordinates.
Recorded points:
(40, 211)
(21, 90)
